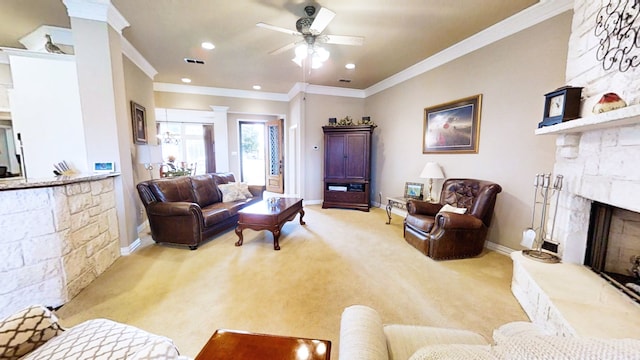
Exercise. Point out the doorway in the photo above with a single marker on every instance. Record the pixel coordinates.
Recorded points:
(261, 154)
(252, 150)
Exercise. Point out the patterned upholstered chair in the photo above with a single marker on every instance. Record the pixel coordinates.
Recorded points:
(441, 231)
(34, 333)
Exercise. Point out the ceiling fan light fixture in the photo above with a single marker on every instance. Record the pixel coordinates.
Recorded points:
(316, 63)
(301, 51)
(298, 61)
(321, 53)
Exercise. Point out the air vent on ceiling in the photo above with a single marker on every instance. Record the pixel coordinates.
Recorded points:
(345, 80)
(194, 61)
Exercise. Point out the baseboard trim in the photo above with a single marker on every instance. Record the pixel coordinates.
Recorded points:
(501, 249)
(125, 251)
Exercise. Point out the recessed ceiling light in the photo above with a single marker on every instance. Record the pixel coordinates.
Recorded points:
(350, 66)
(186, 80)
(257, 87)
(207, 45)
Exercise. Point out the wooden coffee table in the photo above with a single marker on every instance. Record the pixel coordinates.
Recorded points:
(239, 345)
(266, 216)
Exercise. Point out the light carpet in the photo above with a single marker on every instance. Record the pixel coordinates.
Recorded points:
(339, 258)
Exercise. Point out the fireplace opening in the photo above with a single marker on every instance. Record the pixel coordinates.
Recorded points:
(613, 247)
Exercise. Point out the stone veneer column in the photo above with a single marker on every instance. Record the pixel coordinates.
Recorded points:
(55, 241)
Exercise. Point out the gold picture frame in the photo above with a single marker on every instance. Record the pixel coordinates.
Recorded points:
(452, 127)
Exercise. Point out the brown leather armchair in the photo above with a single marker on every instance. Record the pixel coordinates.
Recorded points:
(448, 235)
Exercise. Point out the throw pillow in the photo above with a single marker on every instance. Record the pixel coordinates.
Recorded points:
(453, 209)
(244, 189)
(231, 192)
(105, 339)
(26, 330)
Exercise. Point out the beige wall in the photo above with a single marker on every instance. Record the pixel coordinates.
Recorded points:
(318, 110)
(171, 100)
(139, 88)
(512, 75)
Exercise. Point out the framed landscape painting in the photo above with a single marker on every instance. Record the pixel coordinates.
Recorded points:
(453, 127)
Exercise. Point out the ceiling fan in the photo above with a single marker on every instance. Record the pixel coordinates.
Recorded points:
(310, 29)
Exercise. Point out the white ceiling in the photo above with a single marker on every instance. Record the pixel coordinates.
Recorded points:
(397, 33)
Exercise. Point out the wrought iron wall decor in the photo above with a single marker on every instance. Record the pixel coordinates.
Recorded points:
(618, 29)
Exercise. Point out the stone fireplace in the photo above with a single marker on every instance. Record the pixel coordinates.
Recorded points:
(613, 249)
(599, 157)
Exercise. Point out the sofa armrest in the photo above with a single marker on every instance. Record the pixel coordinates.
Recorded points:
(417, 207)
(173, 208)
(257, 190)
(361, 334)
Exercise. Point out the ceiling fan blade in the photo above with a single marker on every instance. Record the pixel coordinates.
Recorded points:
(344, 40)
(277, 28)
(283, 49)
(321, 21)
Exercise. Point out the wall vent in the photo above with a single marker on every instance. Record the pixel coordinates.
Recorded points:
(345, 80)
(194, 61)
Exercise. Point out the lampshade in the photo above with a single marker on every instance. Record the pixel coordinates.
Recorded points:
(432, 171)
(149, 154)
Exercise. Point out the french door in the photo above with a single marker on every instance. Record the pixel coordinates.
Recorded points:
(261, 154)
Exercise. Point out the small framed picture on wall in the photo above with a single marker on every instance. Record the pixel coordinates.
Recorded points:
(139, 123)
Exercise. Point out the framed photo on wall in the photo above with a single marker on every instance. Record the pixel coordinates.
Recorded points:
(453, 127)
(413, 190)
(139, 123)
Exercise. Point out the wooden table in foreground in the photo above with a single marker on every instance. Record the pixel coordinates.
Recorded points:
(267, 216)
(238, 345)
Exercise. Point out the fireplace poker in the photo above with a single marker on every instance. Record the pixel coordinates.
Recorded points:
(557, 186)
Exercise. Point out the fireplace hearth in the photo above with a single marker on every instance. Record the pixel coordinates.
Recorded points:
(613, 247)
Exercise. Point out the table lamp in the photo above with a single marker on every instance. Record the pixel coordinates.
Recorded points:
(149, 155)
(431, 171)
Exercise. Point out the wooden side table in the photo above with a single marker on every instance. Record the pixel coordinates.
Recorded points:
(398, 202)
(240, 345)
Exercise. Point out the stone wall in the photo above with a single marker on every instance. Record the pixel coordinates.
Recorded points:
(55, 241)
(598, 164)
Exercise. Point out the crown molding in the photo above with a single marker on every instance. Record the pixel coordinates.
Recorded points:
(528, 17)
(99, 10)
(134, 55)
(204, 90)
(35, 40)
(334, 91)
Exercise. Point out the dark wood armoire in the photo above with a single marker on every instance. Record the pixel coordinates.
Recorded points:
(347, 166)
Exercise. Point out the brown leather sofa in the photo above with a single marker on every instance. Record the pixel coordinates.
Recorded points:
(448, 235)
(188, 210)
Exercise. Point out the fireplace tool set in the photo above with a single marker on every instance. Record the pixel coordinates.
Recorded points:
(531, 238)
